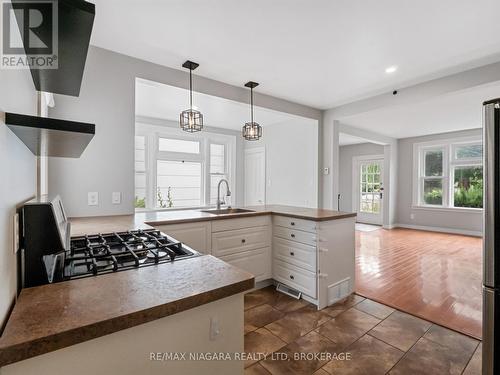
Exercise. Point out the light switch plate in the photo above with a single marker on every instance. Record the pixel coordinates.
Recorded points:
(214, 328)
(93, 198)
(116, 197)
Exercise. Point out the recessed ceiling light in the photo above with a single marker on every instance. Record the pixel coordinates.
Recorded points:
(391, 69)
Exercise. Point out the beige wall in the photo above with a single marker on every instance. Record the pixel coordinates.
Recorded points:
(107, 99)
(454, 220)
(17, 181)
(291, 162)
(347, 153)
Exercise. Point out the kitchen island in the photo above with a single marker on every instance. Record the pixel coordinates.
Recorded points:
(307, 249)
(113, 323)
(149, 320)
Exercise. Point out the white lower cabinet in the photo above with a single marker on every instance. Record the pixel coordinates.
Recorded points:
(308, 238)
(295, 254)
(244, 243)
(239, 240)
(257, 262)
(298, 254)
(315, 258)
(296, 277)
(196, 235)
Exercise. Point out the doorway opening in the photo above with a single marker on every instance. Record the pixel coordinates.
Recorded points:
(368, 188)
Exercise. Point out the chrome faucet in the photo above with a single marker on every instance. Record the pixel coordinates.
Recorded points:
(228, 192)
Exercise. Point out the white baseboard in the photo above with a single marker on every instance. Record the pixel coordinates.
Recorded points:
(440, 229)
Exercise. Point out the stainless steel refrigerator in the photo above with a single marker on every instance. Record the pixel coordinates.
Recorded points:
(491, 243)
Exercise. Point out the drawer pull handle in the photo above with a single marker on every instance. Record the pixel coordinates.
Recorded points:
(243, 240)
(291, 277)
(292, 223)
(292, 235)
(292, 253)
(323, 249)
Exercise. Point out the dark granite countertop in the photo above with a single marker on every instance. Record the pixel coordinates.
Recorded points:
(54, 316)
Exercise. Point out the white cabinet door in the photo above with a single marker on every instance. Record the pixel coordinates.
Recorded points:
(195, 235)
(257, 262)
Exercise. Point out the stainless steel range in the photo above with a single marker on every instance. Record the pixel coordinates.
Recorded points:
(48, 253)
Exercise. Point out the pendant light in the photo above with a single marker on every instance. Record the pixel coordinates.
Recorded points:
(191, 120)
(251, 130)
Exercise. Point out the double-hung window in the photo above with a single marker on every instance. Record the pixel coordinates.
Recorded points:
(174, 170)
(449, 174)
(179, 173)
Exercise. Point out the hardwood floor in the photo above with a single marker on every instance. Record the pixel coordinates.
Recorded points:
(435, 276)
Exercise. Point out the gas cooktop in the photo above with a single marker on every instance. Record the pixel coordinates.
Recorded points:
(111, 252)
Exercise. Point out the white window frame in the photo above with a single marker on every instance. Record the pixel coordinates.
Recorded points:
(153, 133)
(449, 163)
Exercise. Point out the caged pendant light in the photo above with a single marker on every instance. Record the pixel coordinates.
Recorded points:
(251, 130)
(191, 120)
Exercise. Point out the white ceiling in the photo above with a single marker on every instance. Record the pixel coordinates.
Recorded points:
(457, 111)
(166, 102)
(320, 53)
(347, 139)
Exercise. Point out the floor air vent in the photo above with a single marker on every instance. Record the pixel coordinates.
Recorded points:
(288, 291)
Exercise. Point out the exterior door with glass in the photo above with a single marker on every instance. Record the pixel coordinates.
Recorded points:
(368, 189)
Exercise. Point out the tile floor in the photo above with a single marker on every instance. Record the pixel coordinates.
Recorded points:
(378, 339)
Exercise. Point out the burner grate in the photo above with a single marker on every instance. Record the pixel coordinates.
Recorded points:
(111, 252)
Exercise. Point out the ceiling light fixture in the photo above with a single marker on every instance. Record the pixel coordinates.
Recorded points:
(251, 130)
(391, 69)
(191, 120)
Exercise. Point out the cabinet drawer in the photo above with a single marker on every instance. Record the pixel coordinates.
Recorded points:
(240, 223)
(240, 240)
(257, 262)
(295, 277)
(295, 235)
(290, 222)
(295, 253)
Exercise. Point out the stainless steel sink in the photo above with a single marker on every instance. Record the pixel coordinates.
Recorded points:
(225, 211)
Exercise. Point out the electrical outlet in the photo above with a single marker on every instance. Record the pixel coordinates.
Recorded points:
(116, 197)
(412, 216)
(93, 198)
(214, 329)
(16, 232)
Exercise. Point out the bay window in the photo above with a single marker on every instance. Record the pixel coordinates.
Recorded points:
(449, 174)
(175, 170)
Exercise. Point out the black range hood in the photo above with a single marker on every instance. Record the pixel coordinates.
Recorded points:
(51, 137)
(75, 20)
